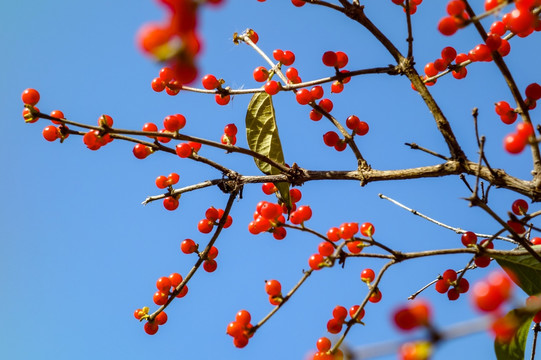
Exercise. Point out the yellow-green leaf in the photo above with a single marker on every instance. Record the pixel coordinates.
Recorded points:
(263, 138)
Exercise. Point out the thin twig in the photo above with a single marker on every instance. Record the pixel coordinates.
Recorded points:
(202, 256)
(455, 229)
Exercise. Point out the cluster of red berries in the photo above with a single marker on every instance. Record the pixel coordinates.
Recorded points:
(273, 288)
(346, 231)
(165, 286)
(456, 19)
(95, 139)
(166, 81)
(412, 316)
(184, 150)
(324, 346)
(188, 246)
(210, 82)
(212, 217)
(533, 93)
(286, 57)
(230, 135)
(469, 239)
(30, 98)
(450, 284)
(507, 114)
(268, 217)
(488, 295)
(174, 41)
(412, 4)
(240, 329)
(170, 202)
(367, 276)
(52, 133)
(339, 315)
(151, 327)
(172, 124)
(515, 143)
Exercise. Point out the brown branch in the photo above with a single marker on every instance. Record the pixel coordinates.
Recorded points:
(356, 13)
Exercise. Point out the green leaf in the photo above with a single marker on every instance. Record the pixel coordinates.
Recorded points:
(524, 270)
(514, 349)
(262, 135)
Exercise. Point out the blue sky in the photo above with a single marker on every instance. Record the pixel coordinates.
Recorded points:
(80, 252)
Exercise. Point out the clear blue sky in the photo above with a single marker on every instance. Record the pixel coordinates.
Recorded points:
(80, 254)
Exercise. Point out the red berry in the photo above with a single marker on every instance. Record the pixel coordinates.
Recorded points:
(50, 133)
(323, 344)
(514, 144)
(341, 59)
(273, 288)
(317, 92)
(272, 87)
(331, 138)
(213, 253)
(183, 150)
(326, 105)
(161, 318)
(151, 328)
(315, 261)
(303, 96)
(469, 238)
(157, 84)
(447, 26)
(337, 87)
(30, 96)
(448, 54)
(163, 284)
(141, 151)
(362, 128)
(278, 55)
(243, 317)
(367, 229)
(288, 58)
(353, 310)
(334, 326)
(174, 122)
(205, 226)
(188, 246)
(339, 313)
(210, 265)
(222, 99)
(210, 82)
(170, 203)
(160, 298)
(442, 286)
(261, 74)
(519, 207)
(59, 115)
(325, 248)
(375, 297)
(368, 275)
(175, 279)
(533, 91)
(329, 58)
